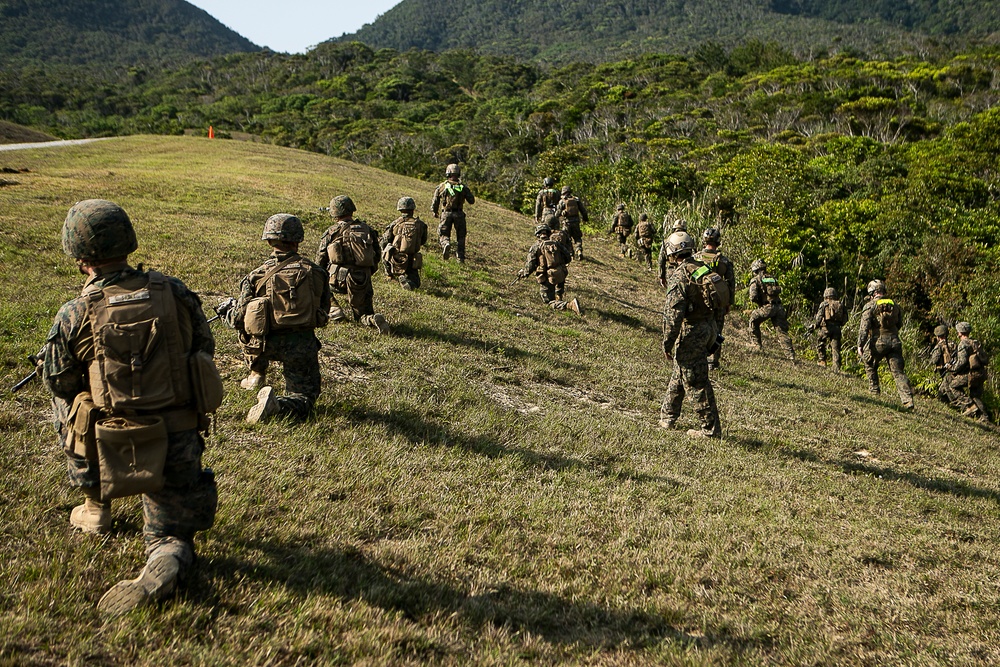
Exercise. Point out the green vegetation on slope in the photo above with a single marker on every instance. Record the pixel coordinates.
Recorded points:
(487, 486)
(11, 133)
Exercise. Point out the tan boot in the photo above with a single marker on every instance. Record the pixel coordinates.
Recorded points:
(252, 382)
(575, 306)
(266, 406)
(93, 516)
(376, 321)
(157, 580)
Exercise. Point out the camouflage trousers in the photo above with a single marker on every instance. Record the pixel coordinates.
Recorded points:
(401, 268)
(171, 516)
(716, 357)
(645, 255)
(572, 227)
(690, 377)
(776, 313)
(454, 219)
(357, 285)
(892, 352)
(623, 243)
(550, 219)
(826, 337)
(551, 292)
(965, 390)
(298, 353)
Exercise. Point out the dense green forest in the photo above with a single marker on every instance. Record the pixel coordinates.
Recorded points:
(836, 169)
(108, 33)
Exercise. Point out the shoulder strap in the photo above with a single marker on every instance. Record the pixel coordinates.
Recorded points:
(273, 270)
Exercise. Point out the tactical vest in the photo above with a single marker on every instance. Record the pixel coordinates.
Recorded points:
(623, 223)
(834, 312)
(552, 255)
(550, 198)
(352, 245)
(140, 351)
(772, 290)
(406, 235)
(572, 207)
(708, 292)
(289, 289)
(452, 196)
(978, 358)
(646, 231)
(887, 316)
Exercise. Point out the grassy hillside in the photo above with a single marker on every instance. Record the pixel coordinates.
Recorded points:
(488, 486)
(11, 133)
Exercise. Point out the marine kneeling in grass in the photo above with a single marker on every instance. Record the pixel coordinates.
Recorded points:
(280, 305)
(401, 245)
(129, 364)
(547, 260)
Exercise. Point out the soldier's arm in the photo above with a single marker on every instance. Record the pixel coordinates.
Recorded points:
(234, 317)
(325, 299)
(864, 327)
(662, 265)
(423, 232)
(202, 339)
(961, 362)
(469, 197)
(583, 211)
(531, 263)
(753, 291)
(322, 257)
(436, 201)
(818, 319)
(62, 373)
(387, 236)
(673, 314)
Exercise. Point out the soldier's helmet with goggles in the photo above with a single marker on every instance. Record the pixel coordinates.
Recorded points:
(548, 181)
(283, 227)
(679, 244)
(876, 287)
(712, 235)
(97, 229)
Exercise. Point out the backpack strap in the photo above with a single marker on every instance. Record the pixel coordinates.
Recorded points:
(273, 270)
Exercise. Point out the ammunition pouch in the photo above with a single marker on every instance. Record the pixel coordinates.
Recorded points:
(257, 316)
(83, 416)
(132, 453)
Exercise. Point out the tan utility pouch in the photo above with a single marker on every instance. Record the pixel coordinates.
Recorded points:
(206, 382)
(257, 317)
(82, 419)
(558, 274)
(418, 260)
(132, 453)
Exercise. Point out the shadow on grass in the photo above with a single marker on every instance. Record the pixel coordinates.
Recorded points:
(349, 575)
(626, 320)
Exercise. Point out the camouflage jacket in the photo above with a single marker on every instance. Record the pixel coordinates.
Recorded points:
(622, 223)
(831, 324)
(719, 263)
(390, 232)
(942, 354)
(451, 197)
(965, 349)
(682, 303)
(561, 209)
(250, 287)
(758, 293)
(645, 231)
(547, 200)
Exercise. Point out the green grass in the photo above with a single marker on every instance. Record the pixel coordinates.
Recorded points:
(487, 486)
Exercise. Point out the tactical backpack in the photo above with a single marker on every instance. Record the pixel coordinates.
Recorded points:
(453, 193)
(352, 246)
(550, 198)
(712, 288)
(623, 223)
(771, 288)
(406, 236)
(885, 314)
(834, 312)
(553, 261)
(288, 289)
(979, 359)
(646, 231)
(572, 207)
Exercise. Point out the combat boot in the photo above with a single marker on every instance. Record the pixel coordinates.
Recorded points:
(575, 306)
(667, 423)
(93, 516)
(157, 580)
(821, 363)
(446, 251)
(376, 321)
(266, 406)
(337, 314)
(702, 433)
(253, 382)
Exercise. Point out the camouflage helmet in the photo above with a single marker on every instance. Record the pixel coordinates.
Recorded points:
(97, 229)
(678, 225)
(712, 235)
(758, 265)
(406, 204)
(679, 243)
(941, 331)
(543, 229)
(453, 170)
(342, 205)
(621, 207)
(643, 217)
(548, 181)
(830, 293)
(566, 190)
(283, 227)
(963, 328)
(876, 286)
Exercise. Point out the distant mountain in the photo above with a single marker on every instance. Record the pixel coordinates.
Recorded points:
(561, 31)
(111, 32)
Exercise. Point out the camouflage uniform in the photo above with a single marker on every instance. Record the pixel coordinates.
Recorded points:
(188, 500)
(545, 207)
(689, 331)
(828, 323)
(715, 260)
(551, 278)
(968, 378)
(645, 235)
(570, 222)
(942, 354)
(878, 339)
(398, 264)
(449, 199)
(768, 308)
(622, 227)
(296, 349)
(354, 281)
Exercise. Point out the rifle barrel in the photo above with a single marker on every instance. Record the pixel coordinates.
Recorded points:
(20, 385)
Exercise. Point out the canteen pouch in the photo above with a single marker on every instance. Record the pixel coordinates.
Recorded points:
(257, 317)
(557, 275)
(132, 453)
(81, 440)
(206, 383)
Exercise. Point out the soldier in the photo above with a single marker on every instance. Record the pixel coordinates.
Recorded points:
(348, 251)
(765, 294)
(692, 314)
(547, 259)
(676, 225)
(449, 199)
(719, 263)
(546, 203)
(942, 354)
(570, 212)
(621, 225)
(645, 235)
(830, 318)
(401, 245)
(878, 339)
(965, 390)
(280, 305)
(129, 364)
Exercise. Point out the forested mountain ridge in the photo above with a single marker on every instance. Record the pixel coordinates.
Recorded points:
(111, 32)
(562, 31)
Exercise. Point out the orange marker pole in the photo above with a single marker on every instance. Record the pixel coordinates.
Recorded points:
(211, 132)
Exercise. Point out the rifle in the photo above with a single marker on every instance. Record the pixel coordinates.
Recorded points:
(223, 308)
(519, 276)
(35, 359)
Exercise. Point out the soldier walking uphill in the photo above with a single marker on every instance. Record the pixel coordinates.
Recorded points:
(878, 339)
(348, 251)
(449, 200)
(129, 364)
(280, 305)
(570, 212)
(547, 259)
(621, 226)
(645, 235)
(692, 316)
(401, 245)
(828, 323)
(546, 203)
(765, 294)
(676, 225)
(968, 374)
(942, 354)
(719, 263)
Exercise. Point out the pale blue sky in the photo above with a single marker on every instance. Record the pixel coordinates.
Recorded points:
(293, 26)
